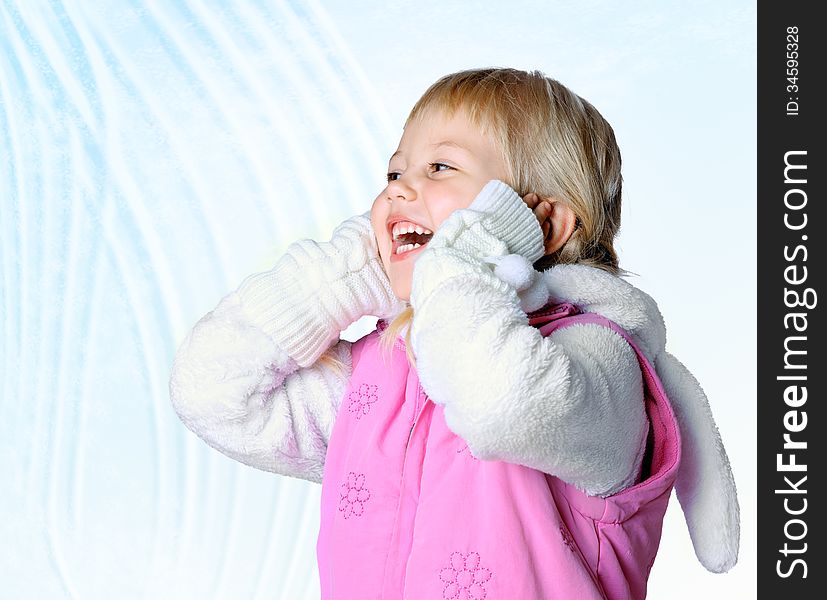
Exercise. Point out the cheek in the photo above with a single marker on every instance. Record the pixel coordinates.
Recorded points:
(378, 218)
(440, 214)
(375, 210)
(446, 201)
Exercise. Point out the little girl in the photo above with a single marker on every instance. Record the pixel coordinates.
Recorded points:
(514, 426)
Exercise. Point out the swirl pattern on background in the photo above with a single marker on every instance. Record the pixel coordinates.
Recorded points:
(132, 138)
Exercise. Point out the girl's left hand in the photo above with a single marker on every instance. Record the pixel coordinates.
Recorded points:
(495, 233)
(542, 210)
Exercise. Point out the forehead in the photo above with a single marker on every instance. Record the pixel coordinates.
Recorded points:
(435, 128)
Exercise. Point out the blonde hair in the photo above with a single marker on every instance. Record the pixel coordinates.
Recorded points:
(401, 322)
(329, 360)
(554, 144)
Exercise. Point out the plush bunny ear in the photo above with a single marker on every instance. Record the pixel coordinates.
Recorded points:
(705, 486)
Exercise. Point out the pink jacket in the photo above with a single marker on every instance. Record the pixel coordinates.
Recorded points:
(408, 512)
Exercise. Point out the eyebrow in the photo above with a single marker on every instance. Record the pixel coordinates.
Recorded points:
(437, 145)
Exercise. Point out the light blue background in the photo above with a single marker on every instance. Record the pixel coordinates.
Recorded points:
(154, 154)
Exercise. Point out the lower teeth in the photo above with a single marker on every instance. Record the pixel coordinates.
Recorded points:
(407, 248)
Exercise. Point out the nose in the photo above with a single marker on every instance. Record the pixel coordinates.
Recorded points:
(400, 189)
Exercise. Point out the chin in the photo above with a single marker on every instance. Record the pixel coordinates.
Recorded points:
(402, 291)
(400, 275)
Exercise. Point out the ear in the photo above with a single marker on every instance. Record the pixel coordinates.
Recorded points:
(558, 226)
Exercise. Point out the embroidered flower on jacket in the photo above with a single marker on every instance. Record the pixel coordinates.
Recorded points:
(361, 399)
(463, 447)
(353, 495)
(464, 579)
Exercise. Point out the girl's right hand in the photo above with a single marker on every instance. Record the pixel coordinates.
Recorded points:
(317, 289)
(355, 243)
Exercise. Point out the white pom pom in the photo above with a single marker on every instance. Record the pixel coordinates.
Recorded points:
(514, 269)
(518, 272)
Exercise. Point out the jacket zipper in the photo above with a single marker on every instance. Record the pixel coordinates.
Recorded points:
(417, 411)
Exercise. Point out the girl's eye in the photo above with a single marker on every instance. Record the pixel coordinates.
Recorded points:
(393, 176)
(437, 167)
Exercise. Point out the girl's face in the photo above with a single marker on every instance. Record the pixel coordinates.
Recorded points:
(441, 165)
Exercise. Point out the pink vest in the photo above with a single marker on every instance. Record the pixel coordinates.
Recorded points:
(408, 512)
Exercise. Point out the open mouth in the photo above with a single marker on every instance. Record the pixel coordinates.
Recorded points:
(407, 237)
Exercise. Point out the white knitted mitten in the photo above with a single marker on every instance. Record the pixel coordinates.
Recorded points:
(316, 290)
(496, 225)
(498, 222)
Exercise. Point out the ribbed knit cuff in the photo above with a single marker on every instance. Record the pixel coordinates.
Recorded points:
(514, 222)
(284, 307)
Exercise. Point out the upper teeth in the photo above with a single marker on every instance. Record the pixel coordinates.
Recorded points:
(404, 227)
